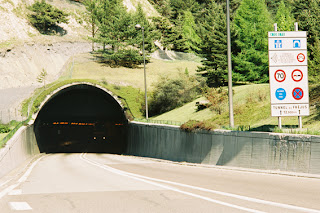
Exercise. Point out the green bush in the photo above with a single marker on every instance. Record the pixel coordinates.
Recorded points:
(124, 57)
(193, 125)
(172, 93)
(4, 129)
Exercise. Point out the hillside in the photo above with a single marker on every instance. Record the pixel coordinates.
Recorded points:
(24, 52)
(251, 111)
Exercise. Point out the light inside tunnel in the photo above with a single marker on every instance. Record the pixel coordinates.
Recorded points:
(81, 118)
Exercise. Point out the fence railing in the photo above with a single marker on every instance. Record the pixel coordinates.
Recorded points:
(174, 123)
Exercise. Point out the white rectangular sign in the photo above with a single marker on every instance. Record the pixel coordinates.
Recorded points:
(290, 110)
(285, 58)
(288, 73)
(280, 44)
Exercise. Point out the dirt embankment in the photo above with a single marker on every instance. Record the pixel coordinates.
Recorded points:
(20, 66)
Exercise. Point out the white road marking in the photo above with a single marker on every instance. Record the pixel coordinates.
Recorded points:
(4, 183)
(7, 190)
(22, 179)
(286, 206)
(119, 172)
(15, 192)
(28, 172)
(20, 206)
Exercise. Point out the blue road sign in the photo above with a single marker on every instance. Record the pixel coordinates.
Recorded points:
(277, 43)
(281, 94)
(297, 43)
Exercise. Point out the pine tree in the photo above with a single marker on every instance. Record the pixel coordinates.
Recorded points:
(115, 24)
(165, 30)
(314, 64)
(192, 40)
(93, 7)
(252, 23)
(45, 17)
(284, 17)
(214, 46)
(150, 34)
(307, 13)
(42, 77)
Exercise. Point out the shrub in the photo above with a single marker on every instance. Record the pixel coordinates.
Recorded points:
(217, 98)
(4, 129)
(124, 57)
(172, 93)
(193, 125)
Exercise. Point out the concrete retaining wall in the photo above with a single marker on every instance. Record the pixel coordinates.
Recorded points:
(270, 151)
(21, 147)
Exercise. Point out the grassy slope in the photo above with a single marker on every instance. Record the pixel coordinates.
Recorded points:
(251, 108)
(86, 67)
(186, 113)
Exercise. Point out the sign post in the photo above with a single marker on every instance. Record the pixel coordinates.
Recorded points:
(288, 74)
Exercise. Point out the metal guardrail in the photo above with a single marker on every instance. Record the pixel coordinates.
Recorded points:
(174, 123)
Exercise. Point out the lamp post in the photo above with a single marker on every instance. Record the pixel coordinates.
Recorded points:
(229, 69)
(138, 27)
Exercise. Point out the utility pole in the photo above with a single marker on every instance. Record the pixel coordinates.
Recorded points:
(229, 69)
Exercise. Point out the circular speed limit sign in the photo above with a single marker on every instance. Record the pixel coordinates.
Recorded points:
(280, 75)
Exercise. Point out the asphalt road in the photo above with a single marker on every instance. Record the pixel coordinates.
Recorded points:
(88, 183)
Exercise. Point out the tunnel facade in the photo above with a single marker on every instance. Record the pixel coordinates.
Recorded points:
(81, 118)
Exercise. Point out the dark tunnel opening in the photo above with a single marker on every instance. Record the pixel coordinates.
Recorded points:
(81, 118)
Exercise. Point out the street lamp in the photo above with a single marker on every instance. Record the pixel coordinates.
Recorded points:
(229, 68)
(138, 27)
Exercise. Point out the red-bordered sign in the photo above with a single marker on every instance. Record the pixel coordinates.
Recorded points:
(297, 93)
(297, 75)
(280, 75)
(301, 57)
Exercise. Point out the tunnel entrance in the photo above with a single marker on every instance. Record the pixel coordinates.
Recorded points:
(81, 118)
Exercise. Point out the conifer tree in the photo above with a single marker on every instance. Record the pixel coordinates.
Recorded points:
(45, 17)
(192, 40)
(150, 34)
(284, 17)
(214, 46)
(307, 13)
(114, 24)
(93, 7)
(314, 64)
(251, 24)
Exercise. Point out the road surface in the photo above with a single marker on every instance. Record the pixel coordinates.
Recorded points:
(85, 183)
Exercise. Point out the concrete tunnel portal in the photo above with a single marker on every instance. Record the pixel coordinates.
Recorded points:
(81, 118)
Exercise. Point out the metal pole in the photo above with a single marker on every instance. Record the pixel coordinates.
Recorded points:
(279, 122)
(279, 118)
(229, 68)
(145, 75)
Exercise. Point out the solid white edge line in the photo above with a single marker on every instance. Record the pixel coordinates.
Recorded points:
(119, 172)
(287, 206)
(7, 190)
(22, 179)
(4, 183)
(28, 172)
